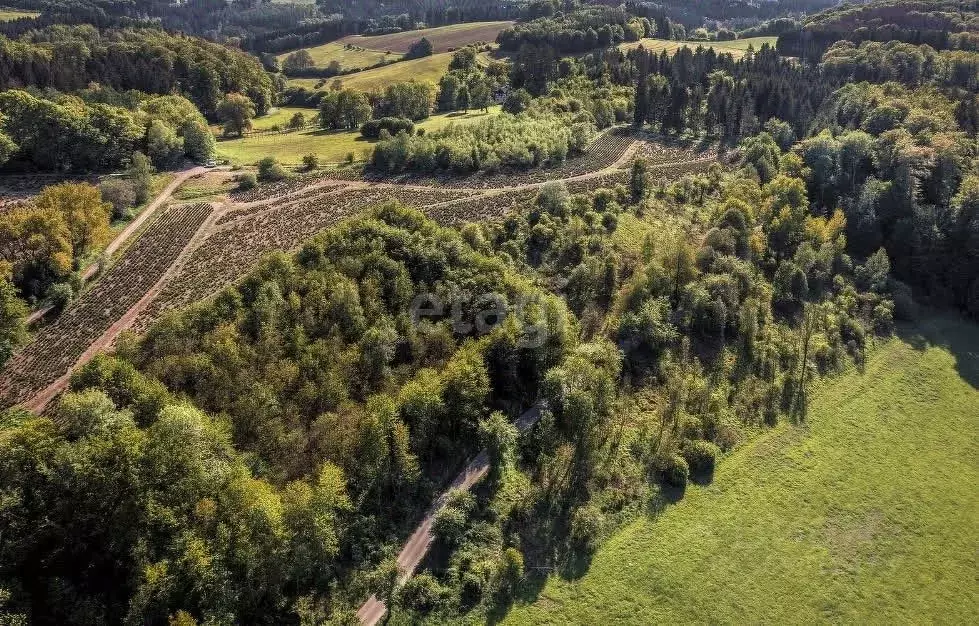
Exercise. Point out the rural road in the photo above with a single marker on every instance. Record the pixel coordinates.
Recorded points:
(130, 228)
(145, 214)
(415, 549)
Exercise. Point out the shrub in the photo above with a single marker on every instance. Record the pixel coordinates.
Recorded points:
(297, 121)
(450, 525)
(60, 295)
(884, 317)
(423, 593)
(371, 129)
(511, 568)
(586, 525)
(700, 455)
(269, 169)
(517, 101)
(246, 181)
(310, 162)
(676, 472)
(121, 194)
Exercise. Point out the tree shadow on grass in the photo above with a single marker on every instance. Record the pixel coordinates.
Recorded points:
(702, 477)
(950, 331)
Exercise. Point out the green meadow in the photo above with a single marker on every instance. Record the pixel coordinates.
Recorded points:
(736, 48)
(867, 512)
(331, 146)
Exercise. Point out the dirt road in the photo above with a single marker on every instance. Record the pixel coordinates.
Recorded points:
(415, 549)
(131, 228)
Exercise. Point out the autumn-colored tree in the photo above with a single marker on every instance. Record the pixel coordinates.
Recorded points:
(84, 213)
(37, 246)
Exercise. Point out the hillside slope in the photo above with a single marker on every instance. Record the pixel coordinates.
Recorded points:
(866, 514)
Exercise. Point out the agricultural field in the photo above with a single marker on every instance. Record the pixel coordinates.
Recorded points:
(736, 48)
(57, 346)
(329, 145)
(7, 15)
(424, 70)
(443, 38)
(866, 513)
(350, 56)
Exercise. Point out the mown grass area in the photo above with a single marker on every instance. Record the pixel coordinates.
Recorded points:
(329, 146)
(866, 513)
(7, 15)
(280, 117)
(205, 187)
(427, 69)
(348, 58)
(736, 48)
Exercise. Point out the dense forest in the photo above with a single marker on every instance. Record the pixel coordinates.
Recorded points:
(941, 24)
(259, 456)
(149, 60)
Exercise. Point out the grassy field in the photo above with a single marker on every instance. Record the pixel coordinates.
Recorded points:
(357, 51)
(205, 187)
(868, 514)
(280, 117)
(348, 58)
(329, 146)
(427, 69)
(7, 15)
(443, 38)
(736, 48)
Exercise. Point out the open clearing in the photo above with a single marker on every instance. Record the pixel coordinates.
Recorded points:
(331, 146)
(349, 58)
(7, 15)
(443, 38)
(868, 514)
(357, 51)
(736, 48)
(278, 116)
(424, 70)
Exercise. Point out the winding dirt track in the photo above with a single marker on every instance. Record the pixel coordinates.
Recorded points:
(130, 229)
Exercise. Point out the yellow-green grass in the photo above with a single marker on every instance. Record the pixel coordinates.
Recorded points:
(278, 116)
(329, 146)
(427, 70)
(868, 513)
(736, 48)
(348, 58)
(7, 15)
(206, 187)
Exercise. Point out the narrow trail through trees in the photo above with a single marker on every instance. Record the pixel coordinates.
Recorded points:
(417, 545)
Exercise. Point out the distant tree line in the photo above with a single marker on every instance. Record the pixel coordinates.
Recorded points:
(68, 58)
(941, 24)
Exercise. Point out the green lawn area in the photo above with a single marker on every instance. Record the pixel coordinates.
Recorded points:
(280, 116)
(736, 48)
(869, 513)
(348, 58)
(427, 69)
(329, 146)
(7, 15)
